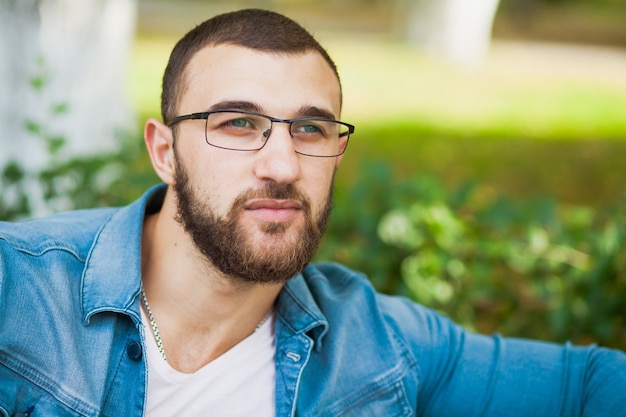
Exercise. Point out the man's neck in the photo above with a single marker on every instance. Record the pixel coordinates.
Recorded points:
(200, 313)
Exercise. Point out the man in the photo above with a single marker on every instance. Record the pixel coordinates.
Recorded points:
(197, 299)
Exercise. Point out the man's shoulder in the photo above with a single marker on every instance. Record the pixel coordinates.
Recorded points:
(351, 292)
(333, 283)
(335, 277)
(73, 231)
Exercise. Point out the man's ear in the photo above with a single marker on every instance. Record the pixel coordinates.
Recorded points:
(342, 144)
(160, 145)
(339, 158)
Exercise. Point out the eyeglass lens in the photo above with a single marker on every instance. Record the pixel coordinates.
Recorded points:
(242, 131)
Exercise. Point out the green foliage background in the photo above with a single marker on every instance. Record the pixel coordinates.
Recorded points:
(532, 268)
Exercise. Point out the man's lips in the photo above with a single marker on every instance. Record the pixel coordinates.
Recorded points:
(275, 211)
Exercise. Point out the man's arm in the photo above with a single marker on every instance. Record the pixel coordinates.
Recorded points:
(465, 374)
(514, 377)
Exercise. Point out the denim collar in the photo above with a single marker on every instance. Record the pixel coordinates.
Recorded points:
(301, 313)
(111, 280)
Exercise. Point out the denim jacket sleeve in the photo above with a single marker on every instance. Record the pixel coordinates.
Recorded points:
(439, 369)
(466, 374)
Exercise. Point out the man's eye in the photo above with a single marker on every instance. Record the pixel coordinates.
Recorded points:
(309, 129)
(239, 123)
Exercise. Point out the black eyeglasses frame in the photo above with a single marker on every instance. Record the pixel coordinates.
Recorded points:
(205, 115)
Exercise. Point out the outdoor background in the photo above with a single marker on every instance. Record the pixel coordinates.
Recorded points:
(493, 190)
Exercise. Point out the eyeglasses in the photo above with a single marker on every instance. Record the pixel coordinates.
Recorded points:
(248, 131)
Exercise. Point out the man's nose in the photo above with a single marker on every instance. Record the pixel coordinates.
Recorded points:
(278, 160)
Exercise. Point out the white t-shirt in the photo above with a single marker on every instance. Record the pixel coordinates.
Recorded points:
(239, 383)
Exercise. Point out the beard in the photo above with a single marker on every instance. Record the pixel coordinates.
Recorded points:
(228, 245)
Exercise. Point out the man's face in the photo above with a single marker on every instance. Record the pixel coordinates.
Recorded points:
(257, 216)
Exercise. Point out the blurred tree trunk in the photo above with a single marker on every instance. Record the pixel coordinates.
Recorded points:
(456, 30)
(63, 67)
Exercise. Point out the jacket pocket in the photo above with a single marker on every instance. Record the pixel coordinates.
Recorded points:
(33, 404)
(21, 397)
(388, 401)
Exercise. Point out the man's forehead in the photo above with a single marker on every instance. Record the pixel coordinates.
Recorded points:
(231, 72)
(214, 56)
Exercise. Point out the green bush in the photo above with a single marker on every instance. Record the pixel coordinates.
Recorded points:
(532, 269)
(82, 181)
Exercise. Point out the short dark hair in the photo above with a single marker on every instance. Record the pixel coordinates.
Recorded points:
(257, 29)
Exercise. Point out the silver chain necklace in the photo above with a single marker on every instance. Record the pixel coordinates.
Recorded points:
(155, 328)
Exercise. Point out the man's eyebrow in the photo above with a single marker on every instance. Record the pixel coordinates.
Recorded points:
(304, 111)
(312, 111)
(236, 105)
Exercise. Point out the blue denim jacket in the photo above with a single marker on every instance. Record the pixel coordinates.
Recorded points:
(72, 342)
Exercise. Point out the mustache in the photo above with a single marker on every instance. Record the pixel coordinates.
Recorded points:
(275, 191)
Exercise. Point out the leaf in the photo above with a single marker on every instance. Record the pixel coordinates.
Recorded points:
(13, 172)
(60, 108)
(33, 127)
(38, 82)
(55, 144)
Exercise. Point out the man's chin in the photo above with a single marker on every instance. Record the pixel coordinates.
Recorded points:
(270, 258)
(275, 228)
(276, 237)
(253, 226)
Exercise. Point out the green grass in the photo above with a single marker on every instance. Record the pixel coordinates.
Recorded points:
(148, 62)
(510, 96)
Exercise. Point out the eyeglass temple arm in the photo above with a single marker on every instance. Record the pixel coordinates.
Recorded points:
(192, 116)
